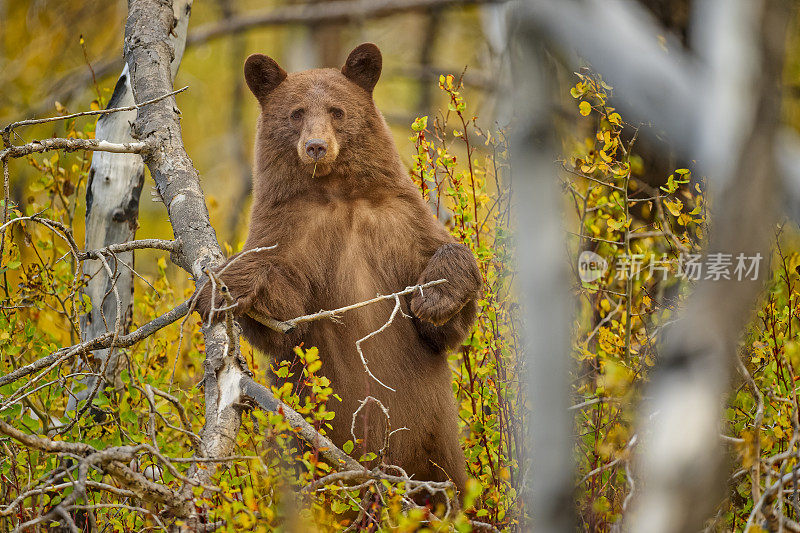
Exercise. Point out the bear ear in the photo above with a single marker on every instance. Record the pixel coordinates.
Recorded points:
(262, 74)
(363, 66)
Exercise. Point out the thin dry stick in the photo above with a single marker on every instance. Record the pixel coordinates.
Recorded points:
(56, 227)
(755, 470)
(29, 122)
(104, 341)
(334, 314)
(370, 335)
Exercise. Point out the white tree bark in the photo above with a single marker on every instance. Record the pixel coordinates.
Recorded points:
(112, 209)
(544, 293)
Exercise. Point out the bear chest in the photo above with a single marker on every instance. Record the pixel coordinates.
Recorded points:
(362, 248)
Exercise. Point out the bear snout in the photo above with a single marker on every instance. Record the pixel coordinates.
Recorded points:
(316, 148)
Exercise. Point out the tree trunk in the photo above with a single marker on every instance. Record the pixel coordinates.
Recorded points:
(112, 210)
(543, 291)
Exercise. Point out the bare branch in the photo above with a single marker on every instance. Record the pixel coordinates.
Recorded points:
(140, 244)
(30, 122)
(104, 341)
(262, 396)
(72, 145)
(288, 325)
(372, 334)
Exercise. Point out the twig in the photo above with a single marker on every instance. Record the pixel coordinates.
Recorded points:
(413, 485)
(370, 335)
(104, 341)
(29, 122)
(267, 401)
(631, 443)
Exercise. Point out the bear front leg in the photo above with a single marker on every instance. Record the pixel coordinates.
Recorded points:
(445, 312)
(256, 283)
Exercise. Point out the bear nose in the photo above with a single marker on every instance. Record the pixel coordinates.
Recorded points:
(316, 148)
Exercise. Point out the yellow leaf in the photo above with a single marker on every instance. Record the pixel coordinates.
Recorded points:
(585, 108)
(674, 206)
(614, 225)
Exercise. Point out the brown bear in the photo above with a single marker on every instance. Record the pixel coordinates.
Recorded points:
(347, 223)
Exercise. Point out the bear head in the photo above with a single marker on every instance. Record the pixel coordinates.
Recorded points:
(310, 117)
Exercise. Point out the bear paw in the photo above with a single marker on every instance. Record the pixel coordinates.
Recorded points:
(201, 301)
(435, 305)
(202, 304)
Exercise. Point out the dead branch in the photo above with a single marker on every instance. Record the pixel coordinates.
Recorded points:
(114, 461)
(104, 341)
(72, 145)
(359, 476)
(140, 244)
(288, 325)
(11, 507)
(29, 122)
(264, 398)
(368, 336)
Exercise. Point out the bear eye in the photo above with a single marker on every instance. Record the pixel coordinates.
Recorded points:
(297, 114)
(336, 112)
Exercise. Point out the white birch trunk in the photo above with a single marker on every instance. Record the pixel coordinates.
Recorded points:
(544, 292)
(112, 209)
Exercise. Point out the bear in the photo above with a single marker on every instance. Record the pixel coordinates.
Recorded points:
(345, 222)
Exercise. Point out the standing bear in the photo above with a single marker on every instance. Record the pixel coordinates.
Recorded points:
(346, 223)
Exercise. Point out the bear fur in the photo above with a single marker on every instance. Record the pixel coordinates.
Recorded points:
(332, 195)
